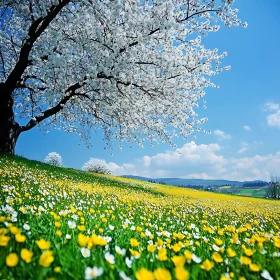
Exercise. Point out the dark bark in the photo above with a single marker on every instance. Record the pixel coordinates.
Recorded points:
(9, 128)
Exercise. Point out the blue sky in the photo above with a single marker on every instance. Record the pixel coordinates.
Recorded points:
(249, 95)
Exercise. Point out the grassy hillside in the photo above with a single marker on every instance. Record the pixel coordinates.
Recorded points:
(58, 223)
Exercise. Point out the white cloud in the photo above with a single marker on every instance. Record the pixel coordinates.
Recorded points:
(244, 147)
(269, 106)
(242, 150)
(221, 134)
(274, 119)
(202, 161)
(247, 128)
(199, 176)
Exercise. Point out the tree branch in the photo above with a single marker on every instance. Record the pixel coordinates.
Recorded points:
(195, 14)
(69, 93)
(35, 31)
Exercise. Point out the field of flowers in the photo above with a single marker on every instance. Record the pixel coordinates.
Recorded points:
(58, 223)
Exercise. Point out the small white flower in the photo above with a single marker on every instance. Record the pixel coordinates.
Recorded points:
(128, 262)
(92, 273)
(196, 258)
(120, 251)
(123, 276)
(68, 236)
(110, 258)
(71, 224)
(26, 227)
(216, 248)
(132, 228)
(265, 274)
(85, 252)
(111, 227)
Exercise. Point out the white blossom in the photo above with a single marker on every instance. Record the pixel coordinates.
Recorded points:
(112, 64)
(97, 166)
(54, 159)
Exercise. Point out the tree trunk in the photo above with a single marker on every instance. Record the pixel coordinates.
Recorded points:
(9, 128)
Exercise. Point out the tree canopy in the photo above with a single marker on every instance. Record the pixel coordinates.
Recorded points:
(137, 69)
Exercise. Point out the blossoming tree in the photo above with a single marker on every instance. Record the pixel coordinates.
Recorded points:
(54, 159)
(97, 165)
(137, 69)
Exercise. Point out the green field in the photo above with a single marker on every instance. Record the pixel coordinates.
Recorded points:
(59, 223)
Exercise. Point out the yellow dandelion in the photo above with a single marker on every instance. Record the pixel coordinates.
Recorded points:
(12, 260)
(46, 259)
(162, 274)
(217, 257)
(144, 274)
(43, 244)
(26, 255)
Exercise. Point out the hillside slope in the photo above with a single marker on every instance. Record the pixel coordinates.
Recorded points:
(55, 219)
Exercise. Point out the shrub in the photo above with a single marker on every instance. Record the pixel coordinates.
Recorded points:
(54, 159)
(97, 165)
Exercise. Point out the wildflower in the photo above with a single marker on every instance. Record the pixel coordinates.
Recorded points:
(14, 230)
(265, 274)
(58, 233)
(217, 257)
(162, 274)
(231, 252)
(176, 248)
(68, 236)
(109, 258)
(43, 244)
(135, 253)
(111, 227)
(162, 254)
(188, 255)
(82, 239)
(151, 248)
(196, 258)
(144, 274)
(46, 259)
(81, 228)
(224, 277)
(254, 267)
(123, 276)
(134, 242)
(128, 262)
(216, 248)
(85, 252)
(120, 251)
(26, 255)
(178, 260)
(20, 238)
(12, 260)
(181, 273)
(245, 260)
(248, 252)
(92, 273)
(57, 224)
(138, 229)
(26, 227)
(57, 269)
(4, 240)
(97, 240)
(71, 224)
(207, 265)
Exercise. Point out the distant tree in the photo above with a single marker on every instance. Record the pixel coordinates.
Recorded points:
(273, 190)
(97, 165)
(133, 68)
(54, 159)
